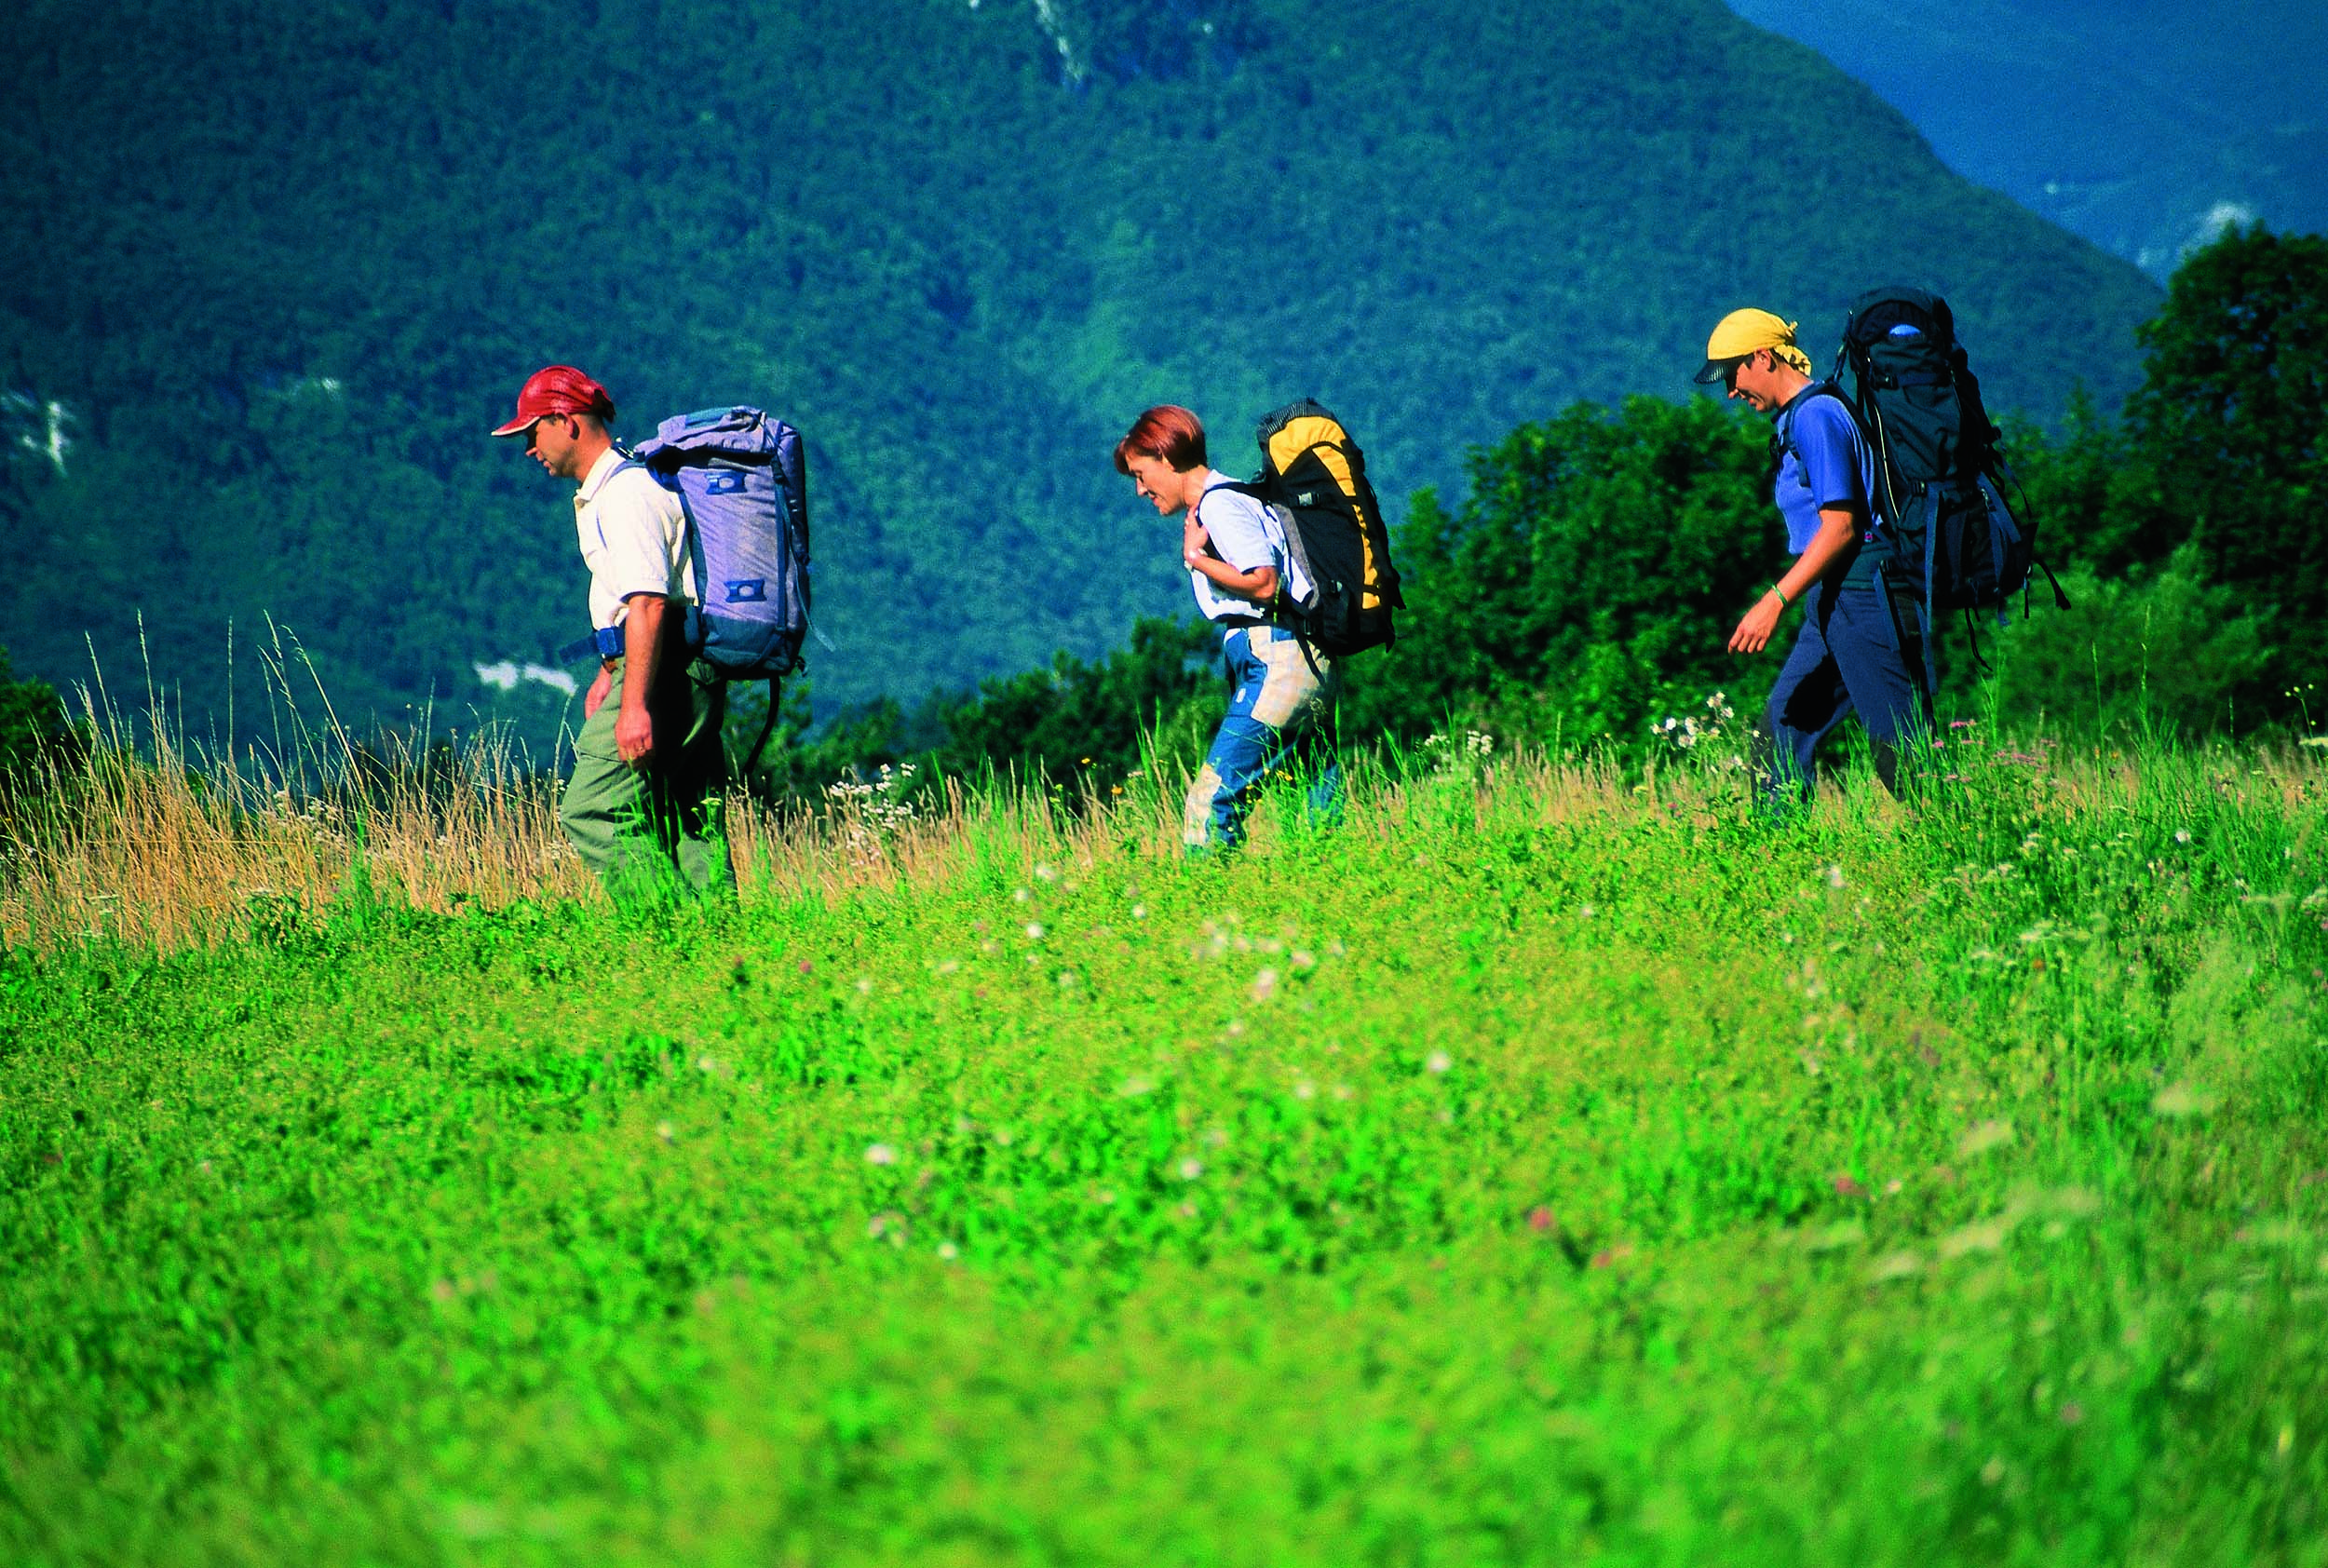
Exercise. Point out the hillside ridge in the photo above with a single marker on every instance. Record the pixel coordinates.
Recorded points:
(283, 278)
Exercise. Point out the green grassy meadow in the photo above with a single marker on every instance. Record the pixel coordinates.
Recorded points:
(1545, 1166)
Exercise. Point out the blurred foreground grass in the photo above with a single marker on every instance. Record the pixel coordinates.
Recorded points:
(1545, 1166)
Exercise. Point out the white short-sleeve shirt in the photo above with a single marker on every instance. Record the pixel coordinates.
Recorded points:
(634, 538)
(1247, 534)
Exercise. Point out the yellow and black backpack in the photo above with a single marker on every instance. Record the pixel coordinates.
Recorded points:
(1314, 476)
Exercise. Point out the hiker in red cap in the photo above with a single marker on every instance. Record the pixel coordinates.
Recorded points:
(642, 806)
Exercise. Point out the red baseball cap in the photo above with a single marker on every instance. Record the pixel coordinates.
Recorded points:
(556, 390)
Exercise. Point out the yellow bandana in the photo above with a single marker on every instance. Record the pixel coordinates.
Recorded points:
(1748, 331)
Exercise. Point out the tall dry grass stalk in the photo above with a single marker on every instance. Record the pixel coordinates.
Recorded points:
(160, 847)
(153, 844)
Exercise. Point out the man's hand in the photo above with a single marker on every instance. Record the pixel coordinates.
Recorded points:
(642, 664)
(599, 688)
(1838, 526)
(634, 734)
(1194, 540)
(1753, 633)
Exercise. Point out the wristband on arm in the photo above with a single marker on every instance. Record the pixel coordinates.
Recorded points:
(1784, 602)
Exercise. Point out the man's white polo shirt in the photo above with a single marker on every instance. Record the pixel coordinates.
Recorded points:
(634, 538)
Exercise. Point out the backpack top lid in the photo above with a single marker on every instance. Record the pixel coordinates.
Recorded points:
(1305, 436)
(1877, 315)
(1285, 434)
(739, 434)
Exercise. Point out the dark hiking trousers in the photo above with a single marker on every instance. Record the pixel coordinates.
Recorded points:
(1857, 653)
(653, 833)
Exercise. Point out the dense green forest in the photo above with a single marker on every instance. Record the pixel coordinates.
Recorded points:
(272, 271)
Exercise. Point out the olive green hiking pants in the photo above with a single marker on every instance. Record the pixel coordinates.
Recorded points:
(653, 833)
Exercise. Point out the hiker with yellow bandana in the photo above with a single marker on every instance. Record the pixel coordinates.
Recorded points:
(1861, 648)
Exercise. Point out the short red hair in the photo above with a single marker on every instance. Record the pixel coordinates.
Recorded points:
(1166, 431)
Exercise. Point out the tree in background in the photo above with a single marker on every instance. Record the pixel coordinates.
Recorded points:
(30, 717)
(2230, 427)
(1588, 584)
(2189, 525)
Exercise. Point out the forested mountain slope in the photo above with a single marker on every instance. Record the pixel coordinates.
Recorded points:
(273, 270)
(2147, 126)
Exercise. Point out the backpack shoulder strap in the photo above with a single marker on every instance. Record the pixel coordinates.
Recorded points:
(1784, 430)
(1297, 553)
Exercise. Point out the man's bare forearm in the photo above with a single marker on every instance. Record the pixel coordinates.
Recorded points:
(642, 647)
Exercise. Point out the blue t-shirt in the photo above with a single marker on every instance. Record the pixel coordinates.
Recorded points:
(1827, 463)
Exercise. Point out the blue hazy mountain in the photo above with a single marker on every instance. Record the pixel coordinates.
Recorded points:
(269, 274)
(2143, 125)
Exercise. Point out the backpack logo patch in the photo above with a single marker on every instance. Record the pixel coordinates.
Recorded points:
(724, 484)
(748, 590)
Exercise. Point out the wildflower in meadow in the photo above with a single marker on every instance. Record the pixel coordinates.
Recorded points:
(1894, 1265)
(1985, 1136)
(1982, 1235)
(880, 1153)
(2182, 1100)
(1438, 1063)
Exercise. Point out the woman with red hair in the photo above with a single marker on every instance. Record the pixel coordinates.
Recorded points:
(1240, 571)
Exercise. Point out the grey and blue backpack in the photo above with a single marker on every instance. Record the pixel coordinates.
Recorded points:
(742, 477)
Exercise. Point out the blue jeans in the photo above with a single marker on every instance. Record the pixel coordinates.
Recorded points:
(1855, 655)
(1279, 707)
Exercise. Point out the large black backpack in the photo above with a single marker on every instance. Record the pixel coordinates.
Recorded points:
(1314, 476)
(1942, 476)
